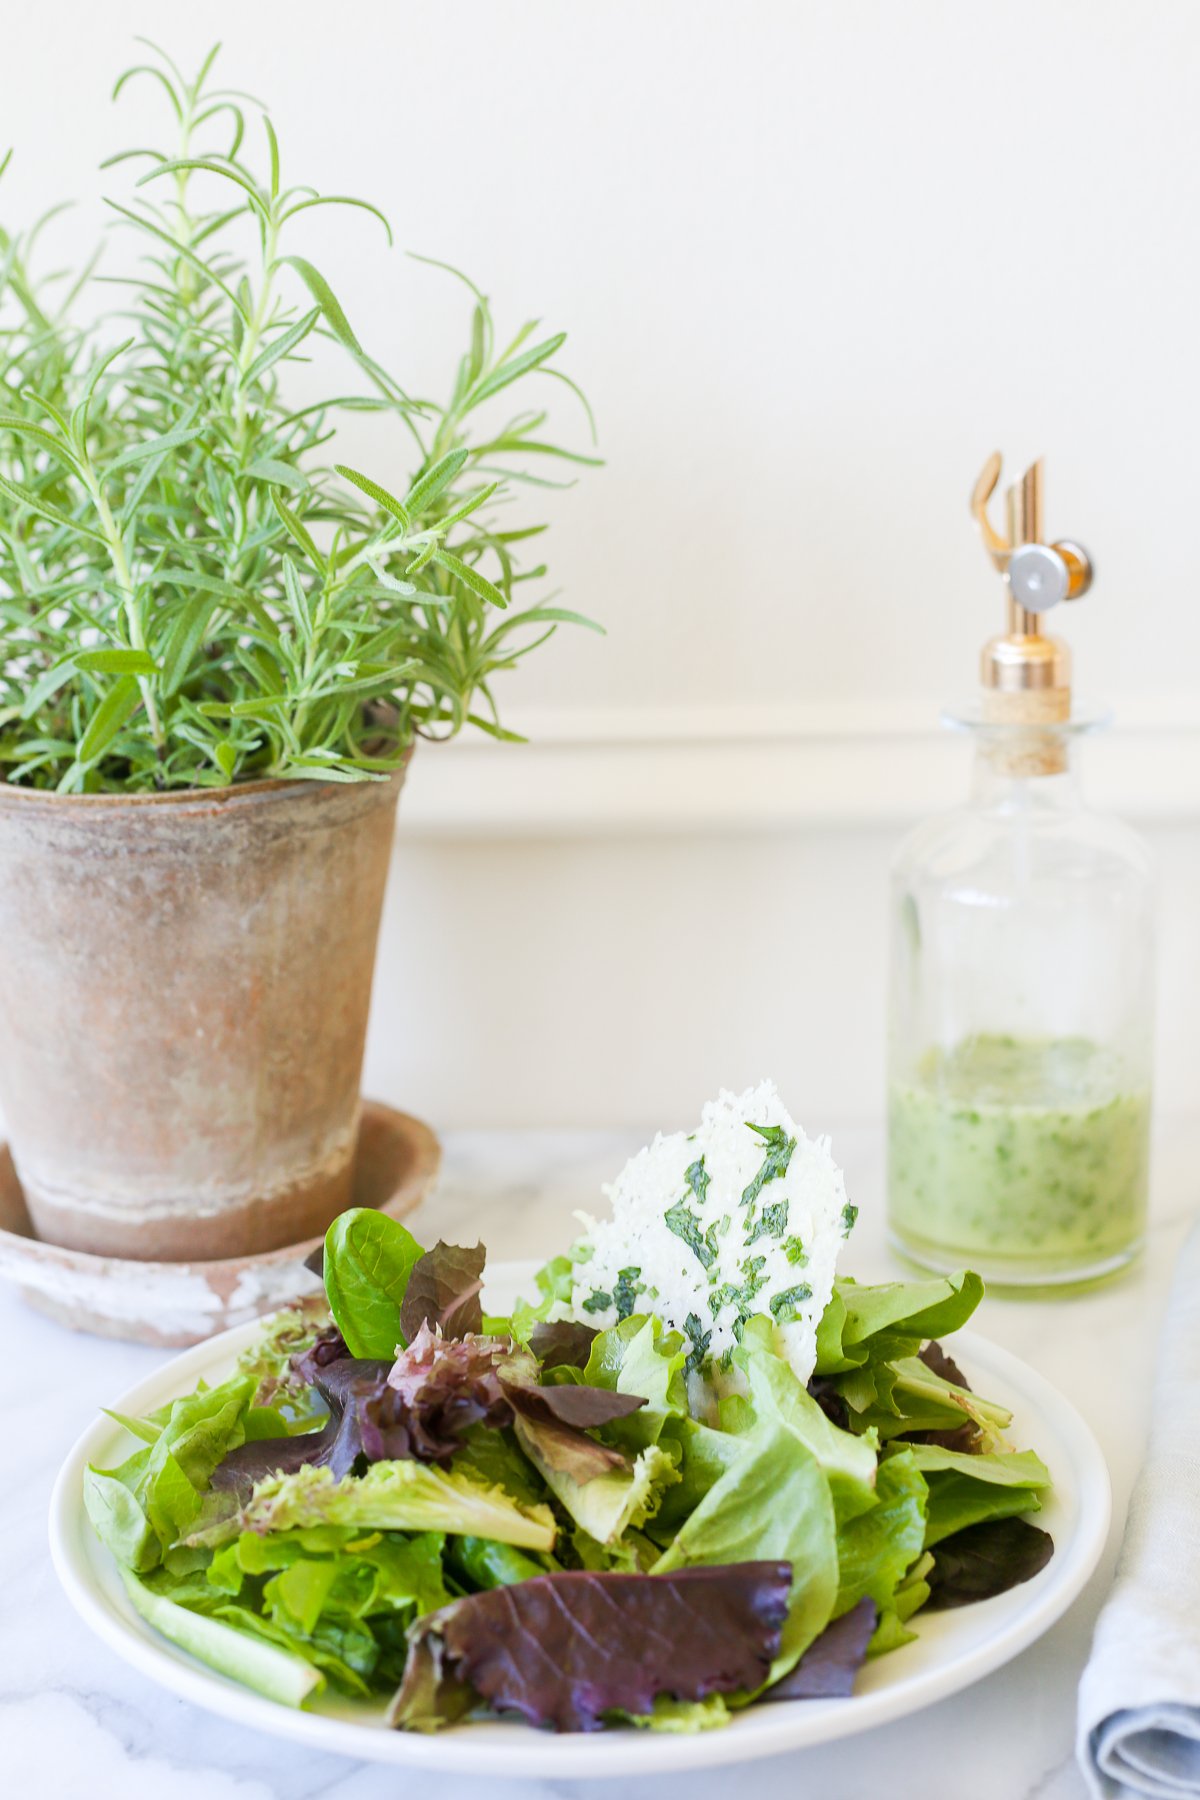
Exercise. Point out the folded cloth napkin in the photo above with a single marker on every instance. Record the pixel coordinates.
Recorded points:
(1139, 1700)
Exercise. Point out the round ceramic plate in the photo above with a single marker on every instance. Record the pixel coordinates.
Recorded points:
(952, 1649)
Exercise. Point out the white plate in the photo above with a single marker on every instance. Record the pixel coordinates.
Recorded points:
(952, 1649)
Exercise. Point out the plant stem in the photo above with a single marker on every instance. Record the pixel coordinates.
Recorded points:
(124, 575)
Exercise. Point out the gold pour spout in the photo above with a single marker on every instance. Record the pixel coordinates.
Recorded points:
(1037, 576)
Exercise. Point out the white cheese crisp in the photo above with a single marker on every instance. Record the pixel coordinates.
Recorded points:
(744, 1215)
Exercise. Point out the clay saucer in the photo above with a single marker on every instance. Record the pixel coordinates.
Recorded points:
(182, 1302)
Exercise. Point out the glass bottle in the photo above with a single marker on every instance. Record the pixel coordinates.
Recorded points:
(1021, 976)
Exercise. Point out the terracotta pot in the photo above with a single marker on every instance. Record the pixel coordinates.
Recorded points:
(184, 987)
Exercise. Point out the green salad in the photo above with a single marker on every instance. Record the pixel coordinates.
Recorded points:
(578, 1521)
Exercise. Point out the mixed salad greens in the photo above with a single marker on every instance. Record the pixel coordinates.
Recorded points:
(398, 1495)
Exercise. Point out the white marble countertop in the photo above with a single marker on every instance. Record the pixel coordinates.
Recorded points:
(75, 1722)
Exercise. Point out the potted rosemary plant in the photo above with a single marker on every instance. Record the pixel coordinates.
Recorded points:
(219, 645)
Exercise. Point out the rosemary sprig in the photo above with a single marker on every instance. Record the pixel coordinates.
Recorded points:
(192, 590)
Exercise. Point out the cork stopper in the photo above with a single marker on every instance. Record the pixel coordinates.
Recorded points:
(1026, 673)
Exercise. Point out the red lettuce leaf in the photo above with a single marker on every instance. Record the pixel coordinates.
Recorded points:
(825, 1391)
(566, 1649)
(581, 1408)
(443, 1292)
(349, 1387)
(828, 1668)
(965, 1438)
(421, 1407)
(559, 1343)
(986, 1559)
(554, 1421)
(935, 1358)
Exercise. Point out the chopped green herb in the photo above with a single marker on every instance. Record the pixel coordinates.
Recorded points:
(597, 1301)
(686, 1225)
(785, 1307)
(626, 1291)
(775, 1163)
(751, 1270)
(795, 1252)
(742, 1297)
(700, 1340)
(849, 1214)
(772, 1222)
(698, 1178)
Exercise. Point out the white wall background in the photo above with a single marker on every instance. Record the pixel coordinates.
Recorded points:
(816, 259)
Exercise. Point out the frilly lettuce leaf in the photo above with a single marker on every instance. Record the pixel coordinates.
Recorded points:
(391, 1496)
(286, 1334)
(443, 1290)
(616, 1502)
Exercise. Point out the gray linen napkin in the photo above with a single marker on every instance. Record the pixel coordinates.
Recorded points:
(1139, 1700)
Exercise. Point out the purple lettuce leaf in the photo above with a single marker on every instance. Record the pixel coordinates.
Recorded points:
(564, 1650)
(554, 1421)
(986, 1559)
(562, 1343)
(825, 1391)
(421, 1407)
(828, 1668)
(935, 1358)
(348, 1387)
(443, 1292)
(966, 1437)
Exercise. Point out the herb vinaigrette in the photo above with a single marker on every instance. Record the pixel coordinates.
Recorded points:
(1018, 1153)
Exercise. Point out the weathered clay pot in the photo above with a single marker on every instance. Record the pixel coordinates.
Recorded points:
(184, 987)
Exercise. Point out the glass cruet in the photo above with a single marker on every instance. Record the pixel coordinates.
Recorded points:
(1021, 974)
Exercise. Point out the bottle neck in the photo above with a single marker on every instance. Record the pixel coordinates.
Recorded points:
(1026, 774)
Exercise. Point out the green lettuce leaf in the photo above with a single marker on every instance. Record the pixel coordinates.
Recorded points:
(368, 1260)
(702, 1455)
(341, 1648)
(772, 1504)
(277, 1673)
(554, 1281)
(877, 1549)
(140, 1509)
(335, 1571)
(483, 1563)
(637, 1356)
(1010, 1468)
(775, 1394)
(609, 1505)
(391, 1496)
(904, 1396)
(956, 1501)
(862, 1324)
